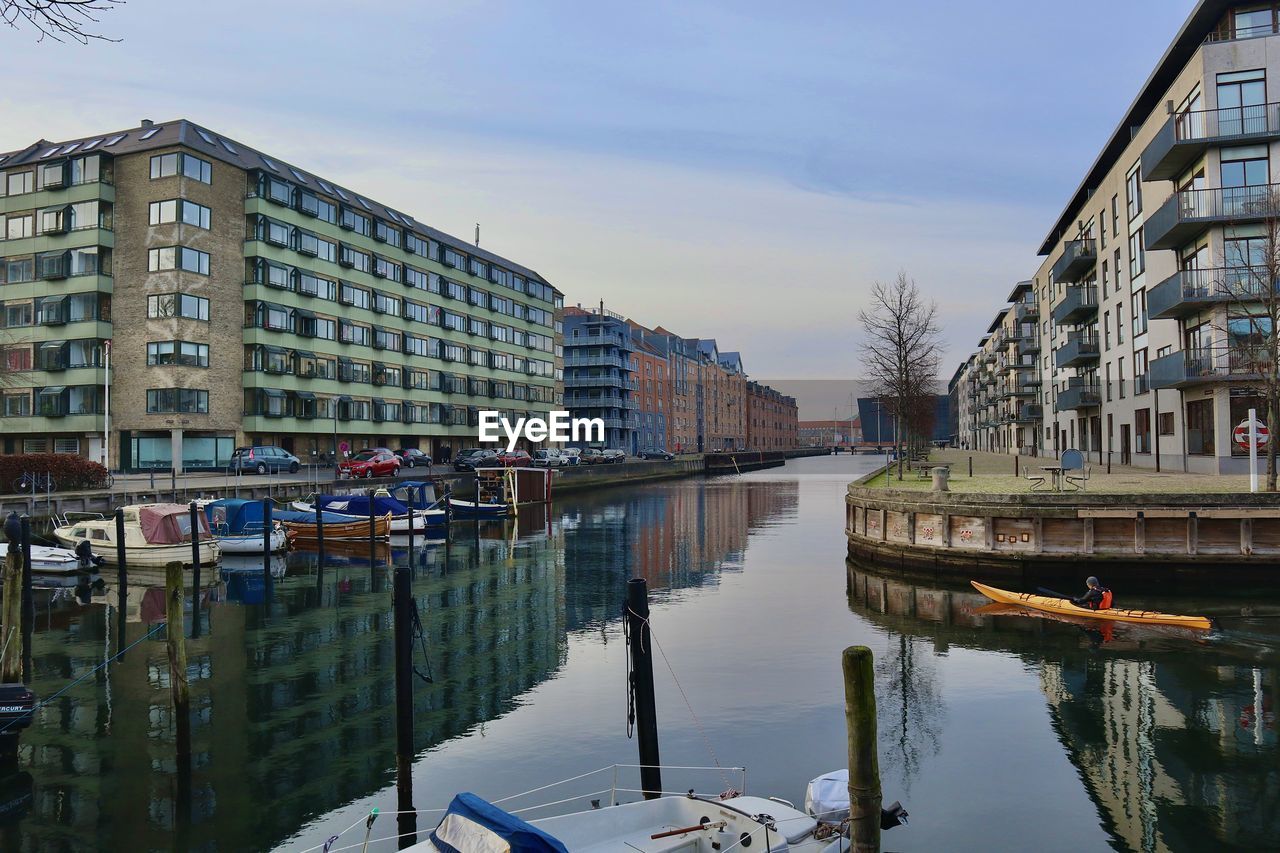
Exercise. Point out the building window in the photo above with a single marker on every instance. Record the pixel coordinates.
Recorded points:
(178, 258)
(20, 183)
(177, 305)
(1142, 430)
(18, 227)
(177, 400)
(1133, 192)
(1137, 255)
(188, 165)
(1139, 313)
(1200, 427)
(353, 221)
(1164, 423)
(183, 353)
(179, 210)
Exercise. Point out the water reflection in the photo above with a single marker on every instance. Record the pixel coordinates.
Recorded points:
(1172, 734)
(291, 674)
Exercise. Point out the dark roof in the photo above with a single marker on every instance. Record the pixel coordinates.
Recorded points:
(1019, 289)
(995, 324)
(215, 145)
(1198, 25)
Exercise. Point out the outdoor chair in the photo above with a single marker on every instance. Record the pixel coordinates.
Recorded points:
(1073, 460)
(1035, 481)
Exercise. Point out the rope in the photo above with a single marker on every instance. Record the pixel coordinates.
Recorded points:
(696, 722)
(40, 705)
(417, 632)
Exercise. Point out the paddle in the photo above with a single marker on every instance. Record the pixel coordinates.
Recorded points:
(1055, 594)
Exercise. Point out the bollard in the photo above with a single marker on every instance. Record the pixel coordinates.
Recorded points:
(28, 601)
(11, 614)
(940, 477)
(641, 686)
(971, 466)
(1015, 467)
(173, 482)
(195, 570)
(179, 690)
(402, 607)
(1108, 461)
(864, 764)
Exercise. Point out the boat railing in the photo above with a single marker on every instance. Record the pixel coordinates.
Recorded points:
(67, 519)
(618, 785)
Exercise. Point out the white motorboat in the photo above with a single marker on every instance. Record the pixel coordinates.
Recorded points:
(51, 561)
(154, 535)
(251, 543)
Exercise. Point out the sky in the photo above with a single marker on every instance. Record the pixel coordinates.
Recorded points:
(731, 169)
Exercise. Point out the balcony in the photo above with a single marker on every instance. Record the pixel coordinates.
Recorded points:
(599, 382)
(1187, 214)
(598, 361)
(1191, 291)
(1029, 344)
(1027, 312)
(1079, 303)
(1029, 414)
(1080, 349)
(1079, 394)
(1184, 137)
(1209, 364)
(1078, 257)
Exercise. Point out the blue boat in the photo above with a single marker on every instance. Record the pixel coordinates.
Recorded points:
(237, 524)
(353, 507)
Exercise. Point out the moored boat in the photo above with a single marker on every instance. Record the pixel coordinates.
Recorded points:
(154, 535)
(54, 561)
(473, 509)
(356, 507)
(1064, 607)
(237, 525)
(303, 525)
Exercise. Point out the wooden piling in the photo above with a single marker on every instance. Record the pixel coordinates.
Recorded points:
(11, 615)
(179, 690)
(28, 600)
(864, 763)
(266, 542)
(642, 687)
(195, 570)
(319, 535)
(373, 539)
(402, 608)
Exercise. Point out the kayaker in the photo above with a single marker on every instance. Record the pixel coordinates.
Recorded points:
(1097, 597)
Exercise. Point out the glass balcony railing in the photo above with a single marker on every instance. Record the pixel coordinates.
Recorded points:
(1078, 257)
(1078, 303)
(1211, 364)
(1185, 215)
(1188, 292)
(1184, 137)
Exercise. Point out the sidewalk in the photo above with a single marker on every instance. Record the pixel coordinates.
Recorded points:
(993, 473)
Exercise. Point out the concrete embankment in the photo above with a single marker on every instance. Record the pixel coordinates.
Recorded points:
(581, 477)
(1226, 538)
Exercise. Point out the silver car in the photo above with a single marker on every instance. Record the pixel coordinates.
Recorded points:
(547, 459)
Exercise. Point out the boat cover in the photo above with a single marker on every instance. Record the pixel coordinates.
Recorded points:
(168, 524)
(237, 514)
(827, 797)
(418, 494)
(359, 505)
(473, 825)
(298, 516)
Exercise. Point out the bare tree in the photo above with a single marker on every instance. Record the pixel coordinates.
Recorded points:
(60, 20)
(900, 351)
(1249, 284)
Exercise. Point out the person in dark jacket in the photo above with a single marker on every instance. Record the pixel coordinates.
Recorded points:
(1097, 597)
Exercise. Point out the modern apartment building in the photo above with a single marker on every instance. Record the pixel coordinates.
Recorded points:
(243, 299)
(996, 391)
(1147, 293)
(599, 377)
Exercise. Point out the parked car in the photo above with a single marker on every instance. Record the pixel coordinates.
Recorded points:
(613, 456)
(473, 458)
(547, 459)
(592, 456)
(571, 456)
(386, 450)
(656, 453)
(514, 458)
(412, 457)
(264, 459)
(370, 463)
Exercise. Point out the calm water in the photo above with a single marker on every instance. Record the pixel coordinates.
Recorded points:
(996, 731)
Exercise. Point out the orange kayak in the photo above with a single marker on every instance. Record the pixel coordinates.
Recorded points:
(1064, 607)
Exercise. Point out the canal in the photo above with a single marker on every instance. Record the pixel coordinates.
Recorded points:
(997, 731)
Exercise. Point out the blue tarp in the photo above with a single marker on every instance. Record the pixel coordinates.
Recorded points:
(300, 517)
(234, 515)
(473, 825)
(419, 494)
(359, 505)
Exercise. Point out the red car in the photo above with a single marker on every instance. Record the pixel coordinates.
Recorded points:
(514, 458)
(370, 463)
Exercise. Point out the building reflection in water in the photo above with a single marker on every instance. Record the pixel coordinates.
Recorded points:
(1174, 736)
(292, 677)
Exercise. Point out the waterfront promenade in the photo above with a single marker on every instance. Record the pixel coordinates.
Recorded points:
(993, 473)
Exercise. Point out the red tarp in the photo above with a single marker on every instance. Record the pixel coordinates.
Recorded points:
(169, 524)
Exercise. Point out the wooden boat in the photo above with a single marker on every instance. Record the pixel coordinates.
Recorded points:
(154, 535)
(303, 526)
(1064, 607)
(357, 507)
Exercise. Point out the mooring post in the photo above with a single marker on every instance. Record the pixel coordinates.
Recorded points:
(373, 551)
(1015, 467)
(195, 570)
(11, 618)
(122, 583)
(642, 686)
(402, 606)
(178, 687)
(970, 466)
(28, 601)
(266, 540)
(864, 764)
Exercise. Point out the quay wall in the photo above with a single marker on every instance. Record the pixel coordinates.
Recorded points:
(581, 477)
(1224, 538)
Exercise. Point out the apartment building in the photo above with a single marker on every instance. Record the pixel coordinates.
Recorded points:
(1146, 297)
(653, 392)
(599, 373)
(995, 393)
(772, 421)
(168, 293)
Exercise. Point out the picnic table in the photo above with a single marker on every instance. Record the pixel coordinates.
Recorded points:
(924, 470)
